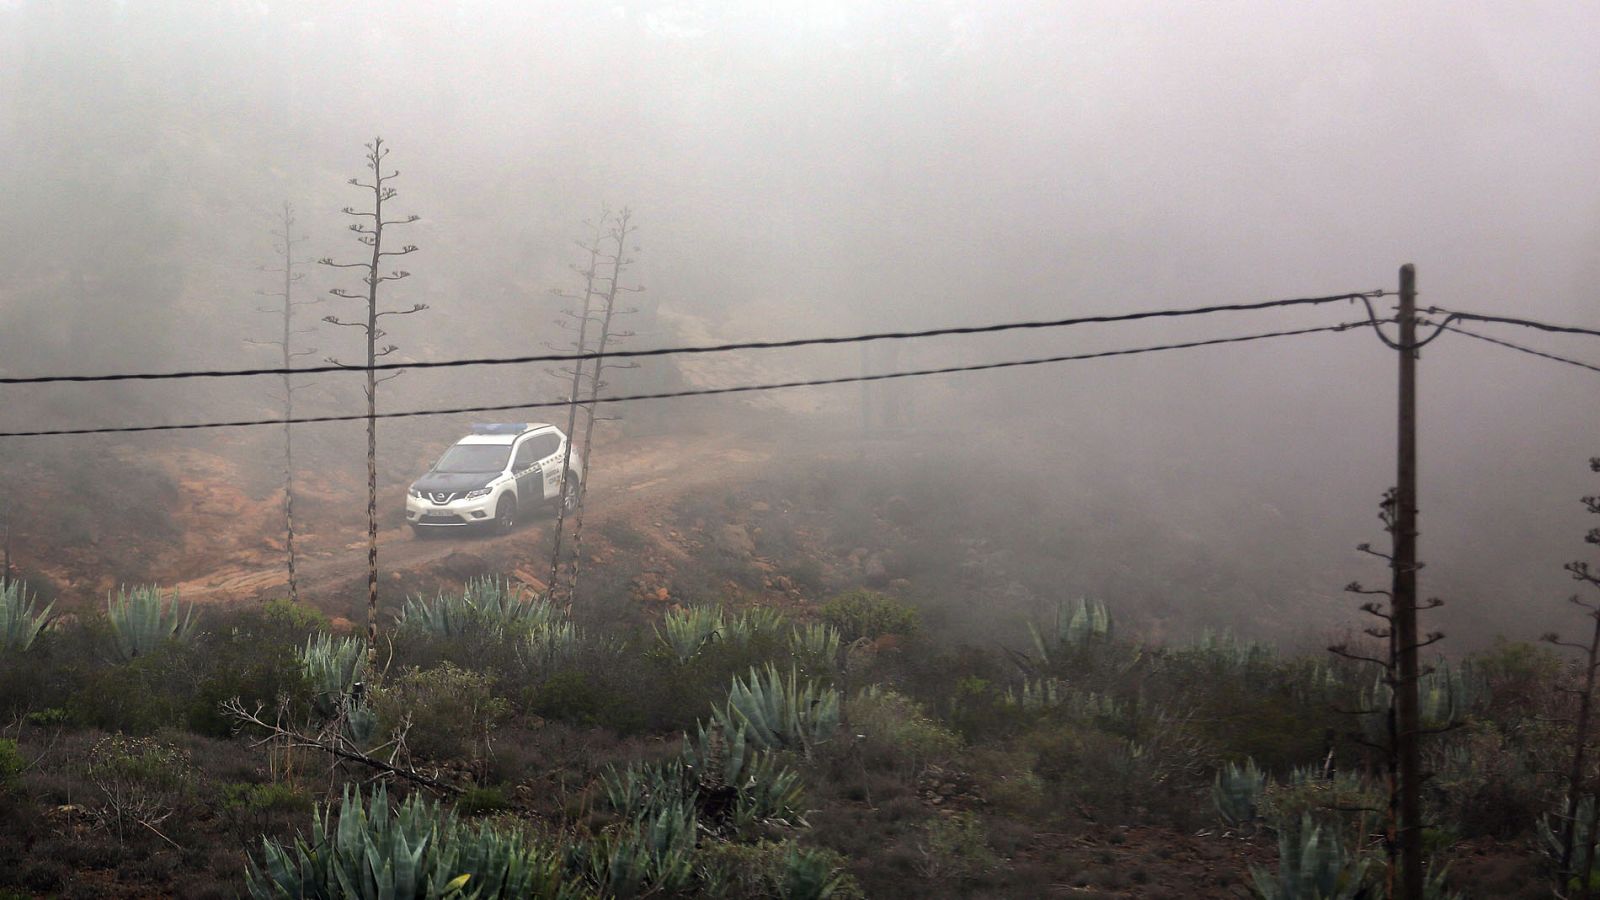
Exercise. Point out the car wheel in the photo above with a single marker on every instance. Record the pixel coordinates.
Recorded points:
(571, 489)
(505, 513)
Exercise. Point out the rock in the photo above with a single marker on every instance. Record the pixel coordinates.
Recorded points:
(461, 565)
(734, 539)
(761, 506)
(874, 571)
(662, 595)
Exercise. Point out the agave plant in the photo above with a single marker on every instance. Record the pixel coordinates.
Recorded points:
(1229, 651)
(816, 645)
(21, 620)
(1312, 865)
(1550, 828)
(1036, 695)
(142, 620)
(416, 851)
(652, 854)
(1084, 624)
(486, 608)
(809, 875)
(756, 622)
(548, 645)
(1236, 792)
(685, 632)
(332, 666)
(778, 711)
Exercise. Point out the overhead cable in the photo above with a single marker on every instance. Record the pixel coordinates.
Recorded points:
(1451, 314)
(1521, 349)
(698, 392)
(701, 348)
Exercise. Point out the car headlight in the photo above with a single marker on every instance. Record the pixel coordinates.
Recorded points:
(414, 492)
(480, 492)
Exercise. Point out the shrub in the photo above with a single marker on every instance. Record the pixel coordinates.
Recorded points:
(782, 870)
(255, 810)
(141, 781)
(20, 618)
(868, 614)
(11, 763)
(955, 847)
(895, 733)
(450, 709)
(142, 620)
(415, 851)
(151, 692)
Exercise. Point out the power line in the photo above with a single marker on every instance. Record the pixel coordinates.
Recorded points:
(702, 348)
(1508, 320)
(1520, 348)
(700, 392)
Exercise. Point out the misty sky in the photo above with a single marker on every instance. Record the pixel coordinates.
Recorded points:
(822, 167)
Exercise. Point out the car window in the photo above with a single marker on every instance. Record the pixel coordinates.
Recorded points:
(526, 456)
(540, 446)
(473, 459)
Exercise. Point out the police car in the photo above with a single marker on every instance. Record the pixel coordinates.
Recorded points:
(491, 475)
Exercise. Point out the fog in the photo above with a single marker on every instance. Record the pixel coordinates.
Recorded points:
(802, 169)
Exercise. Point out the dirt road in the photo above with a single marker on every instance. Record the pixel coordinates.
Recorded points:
(631, 481)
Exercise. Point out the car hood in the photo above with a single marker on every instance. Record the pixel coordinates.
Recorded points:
(453, 482)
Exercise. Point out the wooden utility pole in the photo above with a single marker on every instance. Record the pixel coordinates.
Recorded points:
(1404, 568)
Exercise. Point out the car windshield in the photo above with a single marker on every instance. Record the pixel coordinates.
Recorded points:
(473, 458)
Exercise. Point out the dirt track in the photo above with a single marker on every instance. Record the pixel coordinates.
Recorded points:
(631, 481)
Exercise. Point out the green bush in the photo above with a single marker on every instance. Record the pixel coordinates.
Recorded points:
(868, 614)
(773, 870)
(579, 698)
(11, 763)
(253, 810)
(955, 848)
(151, 692)
(895, 733)
(451, 711)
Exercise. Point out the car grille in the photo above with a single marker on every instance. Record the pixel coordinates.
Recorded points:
(440, 498)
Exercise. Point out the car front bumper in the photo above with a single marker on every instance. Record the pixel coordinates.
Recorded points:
(423, 512)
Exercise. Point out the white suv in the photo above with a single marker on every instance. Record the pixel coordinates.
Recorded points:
(491, 473)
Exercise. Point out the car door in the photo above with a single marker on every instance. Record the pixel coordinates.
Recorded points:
(525, 468)
(550, 449)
